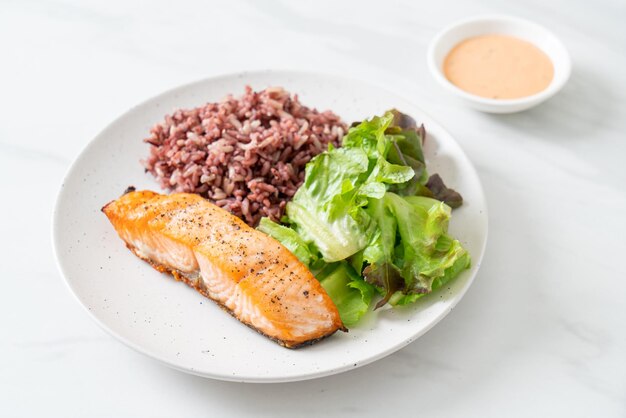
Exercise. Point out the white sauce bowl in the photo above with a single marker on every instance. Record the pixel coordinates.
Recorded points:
(449, 37)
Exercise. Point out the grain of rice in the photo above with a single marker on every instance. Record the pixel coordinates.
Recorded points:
(244, 154)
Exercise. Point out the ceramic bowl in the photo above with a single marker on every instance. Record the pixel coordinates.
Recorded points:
(531, 32)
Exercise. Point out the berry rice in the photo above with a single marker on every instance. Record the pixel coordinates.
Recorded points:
(246, 154)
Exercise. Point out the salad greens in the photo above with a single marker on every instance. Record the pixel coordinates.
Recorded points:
(369, 220)
(348, 291)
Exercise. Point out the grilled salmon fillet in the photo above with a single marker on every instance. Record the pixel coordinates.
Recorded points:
(248, 273)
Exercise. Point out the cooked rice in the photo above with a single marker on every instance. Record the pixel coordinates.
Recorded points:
(246, 155)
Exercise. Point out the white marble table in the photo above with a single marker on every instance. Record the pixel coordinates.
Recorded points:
(542, 332)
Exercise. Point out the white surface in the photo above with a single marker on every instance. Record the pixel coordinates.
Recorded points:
(524, 29)
(541, 331)
(164, 319)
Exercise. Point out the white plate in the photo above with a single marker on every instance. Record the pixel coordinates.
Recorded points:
(170, 322)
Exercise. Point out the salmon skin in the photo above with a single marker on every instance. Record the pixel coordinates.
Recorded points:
(248, 273)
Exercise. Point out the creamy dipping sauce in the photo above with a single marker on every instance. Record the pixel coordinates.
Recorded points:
(498, 67)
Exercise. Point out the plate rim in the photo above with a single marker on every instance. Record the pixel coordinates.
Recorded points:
(477, 260)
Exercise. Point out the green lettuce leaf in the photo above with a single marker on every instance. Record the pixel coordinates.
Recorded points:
(289, 238)
(348, 291)
(379, 253)
(407, 141)
(459, 265)
(411, 249)
(328, 210)
(368, 219)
